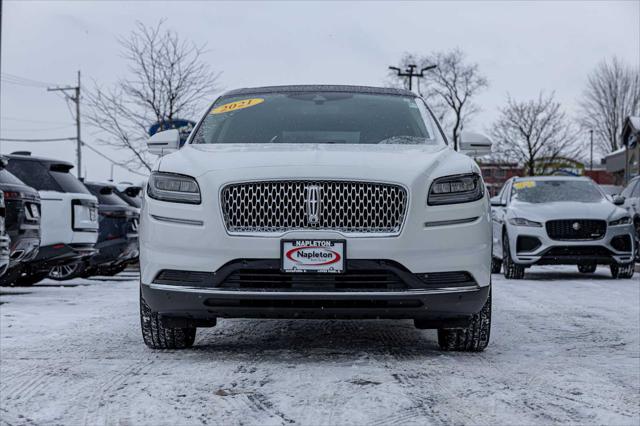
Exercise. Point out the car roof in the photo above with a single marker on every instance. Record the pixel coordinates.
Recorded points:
(29, 157)
(99, 184)
(320, 88)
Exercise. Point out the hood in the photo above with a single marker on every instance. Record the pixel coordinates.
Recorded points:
(396, 161)
(542, 212)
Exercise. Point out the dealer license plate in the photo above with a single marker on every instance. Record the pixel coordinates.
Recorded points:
(313, 255)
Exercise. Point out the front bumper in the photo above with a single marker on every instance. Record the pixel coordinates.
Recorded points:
(571, 252)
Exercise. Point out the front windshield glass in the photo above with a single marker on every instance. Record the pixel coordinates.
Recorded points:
(553, 191)
(317, 118)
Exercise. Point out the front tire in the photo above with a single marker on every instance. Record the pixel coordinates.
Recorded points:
(157, 336)
(512, 270)
(622, 270)
(587, 268)
(474, 338)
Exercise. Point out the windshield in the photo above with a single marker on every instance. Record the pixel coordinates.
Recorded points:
(552, 191)
(317, 117)
(40, 176)
(106, 196)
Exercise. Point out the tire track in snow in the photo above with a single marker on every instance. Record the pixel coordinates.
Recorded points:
(99, 405)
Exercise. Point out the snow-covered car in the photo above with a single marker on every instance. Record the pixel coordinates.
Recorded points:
(22, 222)
(631, 199)
(316, 202)
(117, 244)
(130, 193)
(69, 217)
(557, 220)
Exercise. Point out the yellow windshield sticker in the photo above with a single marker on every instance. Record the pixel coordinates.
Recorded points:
(245, 103)
(524, 184)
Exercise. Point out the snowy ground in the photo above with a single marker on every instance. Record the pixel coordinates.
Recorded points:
(563, 349)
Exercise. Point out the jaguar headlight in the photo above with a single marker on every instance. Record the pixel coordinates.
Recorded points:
(455, 189)
(622, 221)
(520, 221)
(173, 188)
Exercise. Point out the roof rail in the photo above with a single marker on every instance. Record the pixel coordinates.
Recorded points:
(21, 153)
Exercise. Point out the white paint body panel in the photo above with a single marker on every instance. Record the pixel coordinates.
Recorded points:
(56, 220)
(206, 247)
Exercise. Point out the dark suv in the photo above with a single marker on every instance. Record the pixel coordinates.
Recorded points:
(22, 222)
(118, 238)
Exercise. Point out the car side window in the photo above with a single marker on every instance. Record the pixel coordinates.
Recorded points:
(636, 191)
(629, 190)
(504, 195)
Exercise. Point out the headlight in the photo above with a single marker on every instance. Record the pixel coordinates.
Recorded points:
(622, 221)
(520, 221)
(455, 189)
(173, 188)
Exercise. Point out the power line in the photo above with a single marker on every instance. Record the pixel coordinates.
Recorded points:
(44, 129)
(5, 117)
(116, 163)
(37, 140)
(22, 81)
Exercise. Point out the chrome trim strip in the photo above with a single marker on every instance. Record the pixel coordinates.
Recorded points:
(451, 222)
(177, 220)
(344, 294)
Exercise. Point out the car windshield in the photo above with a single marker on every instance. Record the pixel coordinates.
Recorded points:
(44, 176)
(318, 118)
(553, 191)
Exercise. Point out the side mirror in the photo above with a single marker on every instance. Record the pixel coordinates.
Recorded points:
(164, 142)
(618, 200)
(497, 202)
(475, 144)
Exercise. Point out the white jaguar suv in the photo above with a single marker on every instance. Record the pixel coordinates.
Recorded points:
(316, 202)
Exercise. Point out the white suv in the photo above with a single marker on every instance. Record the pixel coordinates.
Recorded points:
(69, 222)
(316, 202)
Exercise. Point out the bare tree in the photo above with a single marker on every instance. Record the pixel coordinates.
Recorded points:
(449, 88)
(534, 132)
(612, 93)
(167, 80)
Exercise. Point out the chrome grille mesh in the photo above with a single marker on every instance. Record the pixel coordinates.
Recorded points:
(345, 206)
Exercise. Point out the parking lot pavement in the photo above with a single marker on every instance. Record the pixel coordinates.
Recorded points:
(564, 348)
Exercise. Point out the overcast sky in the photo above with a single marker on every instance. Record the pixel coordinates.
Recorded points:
(522, 48)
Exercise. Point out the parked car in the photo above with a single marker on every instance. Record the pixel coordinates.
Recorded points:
(316, 202)
(631, 197)
(130, 194)
(69, 217)
(611, 190)
(22, 222)
(118, 238)
(558, 220)
(4, 239)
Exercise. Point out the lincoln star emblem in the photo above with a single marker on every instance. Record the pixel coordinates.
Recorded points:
(312, 203)
(576, 226)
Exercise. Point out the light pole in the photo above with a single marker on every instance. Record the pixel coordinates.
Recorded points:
(410, 72)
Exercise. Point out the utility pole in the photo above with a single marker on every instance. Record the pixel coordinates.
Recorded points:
(410, 72)
(591, 137)
(75, 98)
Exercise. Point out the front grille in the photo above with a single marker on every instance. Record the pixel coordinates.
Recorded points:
(357, 280)
(577, 251)
(345, 206)
(576, 229)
